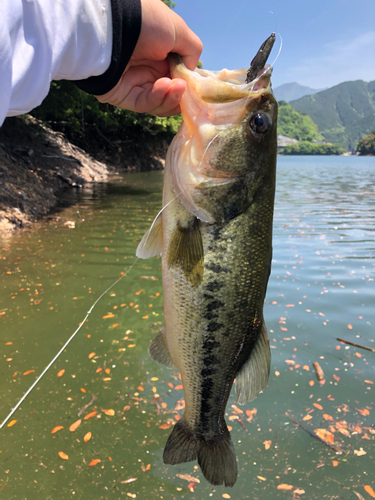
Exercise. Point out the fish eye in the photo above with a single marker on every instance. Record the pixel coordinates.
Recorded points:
(259, 124)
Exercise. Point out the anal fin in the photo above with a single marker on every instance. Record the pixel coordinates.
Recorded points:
(158, 350)
(186, 250)
(253, 376)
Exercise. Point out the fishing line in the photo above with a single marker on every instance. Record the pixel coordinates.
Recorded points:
(236, 16)
(275, 20)
(207, 147)
(281, 46)
(63, 347)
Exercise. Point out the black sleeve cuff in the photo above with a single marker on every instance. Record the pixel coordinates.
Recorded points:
(126, 22)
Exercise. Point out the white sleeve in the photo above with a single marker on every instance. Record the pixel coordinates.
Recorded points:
(45, 40)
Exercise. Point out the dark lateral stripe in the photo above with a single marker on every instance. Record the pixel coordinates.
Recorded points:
(205, 409)
(213, 326)
(207, 372)
(216, 268)
(214, 286)
(210, 315)
(215, 304)
(209, 344)
(210, 359)
(216, 232)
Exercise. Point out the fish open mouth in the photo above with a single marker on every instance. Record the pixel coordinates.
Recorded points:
(219, 107)
(227, 85)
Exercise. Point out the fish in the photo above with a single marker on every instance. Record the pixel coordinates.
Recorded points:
(214, 234)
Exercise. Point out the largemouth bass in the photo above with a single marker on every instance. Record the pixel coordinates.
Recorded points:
(215, 237)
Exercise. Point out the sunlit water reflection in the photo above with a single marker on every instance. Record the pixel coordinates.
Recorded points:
(321, 288)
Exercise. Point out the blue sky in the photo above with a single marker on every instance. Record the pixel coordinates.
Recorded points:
(325, 42)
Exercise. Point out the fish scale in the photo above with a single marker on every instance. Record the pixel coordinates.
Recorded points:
(215, 237)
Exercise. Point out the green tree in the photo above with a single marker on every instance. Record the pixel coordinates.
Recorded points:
(95, 126)
(366, 146)
(311, 148)
(297, 125)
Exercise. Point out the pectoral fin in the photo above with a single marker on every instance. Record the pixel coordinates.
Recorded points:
(158, 350)
(186, 251)
(152, 242)
(253, 376)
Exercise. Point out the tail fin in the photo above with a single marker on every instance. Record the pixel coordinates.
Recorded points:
(217, 459)
(182, 445)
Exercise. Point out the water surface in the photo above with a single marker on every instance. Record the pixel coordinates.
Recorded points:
(321, 287)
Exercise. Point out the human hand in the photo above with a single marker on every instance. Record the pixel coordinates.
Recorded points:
(146, 85)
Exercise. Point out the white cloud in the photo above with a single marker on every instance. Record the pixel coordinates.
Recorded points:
(340, 61)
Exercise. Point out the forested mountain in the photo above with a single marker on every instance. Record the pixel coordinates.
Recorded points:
(344, 113)
(292, 123)
(290, 91)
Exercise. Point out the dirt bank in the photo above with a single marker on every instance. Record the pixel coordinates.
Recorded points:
(37, 163)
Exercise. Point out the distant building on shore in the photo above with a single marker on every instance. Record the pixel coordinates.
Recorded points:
(283, 140)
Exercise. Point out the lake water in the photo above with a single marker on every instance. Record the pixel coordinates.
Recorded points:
(321, 287)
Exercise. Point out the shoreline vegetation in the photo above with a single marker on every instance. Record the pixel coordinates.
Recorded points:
(312, 148)
(37, 164)
(72, 139)
(366, 146)
(299, 135)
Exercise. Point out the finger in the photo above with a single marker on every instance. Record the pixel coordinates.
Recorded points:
(162, 98)
(173, 112)
(136, 81)
(170, 104)
(187, 44)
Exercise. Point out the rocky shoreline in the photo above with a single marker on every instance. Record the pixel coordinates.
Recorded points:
(37, 164)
